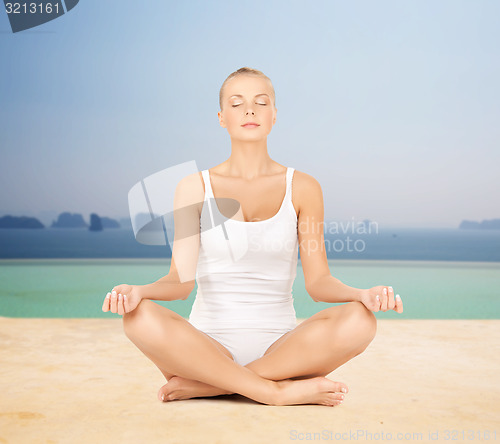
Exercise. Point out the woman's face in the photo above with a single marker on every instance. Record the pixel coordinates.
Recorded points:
(247, 99)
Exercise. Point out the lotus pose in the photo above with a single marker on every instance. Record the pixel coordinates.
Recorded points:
(242, 335)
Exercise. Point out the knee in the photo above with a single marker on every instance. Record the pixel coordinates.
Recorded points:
(362, 319)
(137, 318)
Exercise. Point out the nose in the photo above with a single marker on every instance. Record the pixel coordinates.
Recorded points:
(250, 110)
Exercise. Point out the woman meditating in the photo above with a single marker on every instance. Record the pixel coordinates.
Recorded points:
(242, 335)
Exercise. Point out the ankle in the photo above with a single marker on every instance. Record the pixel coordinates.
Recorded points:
(277, 393)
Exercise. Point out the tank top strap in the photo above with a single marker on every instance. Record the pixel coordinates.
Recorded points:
(208, 185)
(289, 178)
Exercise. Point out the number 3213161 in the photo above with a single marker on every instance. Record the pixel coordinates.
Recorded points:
(32, 8)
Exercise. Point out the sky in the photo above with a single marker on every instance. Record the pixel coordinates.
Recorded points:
(392, 106)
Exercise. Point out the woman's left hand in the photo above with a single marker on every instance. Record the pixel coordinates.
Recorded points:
(122, 299)
(381, 298)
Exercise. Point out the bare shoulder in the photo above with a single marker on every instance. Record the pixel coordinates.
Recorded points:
(304, 180)
(190, 190)
(306, 190)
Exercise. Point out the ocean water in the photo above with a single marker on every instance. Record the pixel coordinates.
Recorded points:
(434, 244)
(75, 288)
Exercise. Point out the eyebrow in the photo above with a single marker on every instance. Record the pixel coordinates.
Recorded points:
(239, 95)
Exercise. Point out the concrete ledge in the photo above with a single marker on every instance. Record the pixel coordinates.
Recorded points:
(83, 381)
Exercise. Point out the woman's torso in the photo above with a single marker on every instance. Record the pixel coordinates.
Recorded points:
(245, 270)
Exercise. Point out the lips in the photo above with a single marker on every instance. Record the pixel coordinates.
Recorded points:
(250, 125)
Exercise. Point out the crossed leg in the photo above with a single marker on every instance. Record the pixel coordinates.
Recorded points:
(315, 348)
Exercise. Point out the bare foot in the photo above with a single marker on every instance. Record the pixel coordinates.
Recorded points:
(182, 388)
(318, 390)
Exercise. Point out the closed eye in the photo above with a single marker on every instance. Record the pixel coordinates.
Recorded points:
(263, 104)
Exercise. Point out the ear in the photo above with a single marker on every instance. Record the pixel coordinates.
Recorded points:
(221, 119)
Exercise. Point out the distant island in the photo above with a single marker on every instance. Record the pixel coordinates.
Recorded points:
(95, 223)
(20, 222)
(492, 224)
(68, 220)
(64, 220)
(99, 223)
(107, 222)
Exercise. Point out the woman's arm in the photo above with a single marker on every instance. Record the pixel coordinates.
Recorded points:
(180, 280)
(330, 289)
(319, 282)
(125, 298)
(168, 288)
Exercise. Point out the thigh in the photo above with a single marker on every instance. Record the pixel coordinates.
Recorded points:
(335, 315)
(218, 344)
(150, 318)
(318, 344)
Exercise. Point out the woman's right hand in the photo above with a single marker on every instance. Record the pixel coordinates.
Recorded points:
(123, 299)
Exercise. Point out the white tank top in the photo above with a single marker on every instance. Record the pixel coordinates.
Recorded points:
(246, 270)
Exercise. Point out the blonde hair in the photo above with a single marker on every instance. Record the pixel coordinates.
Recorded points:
(245, 71)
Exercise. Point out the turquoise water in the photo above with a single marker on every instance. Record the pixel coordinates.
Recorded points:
(75, 288)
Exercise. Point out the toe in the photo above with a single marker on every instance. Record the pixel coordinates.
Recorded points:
(334, 400)
(162, 393)
(342, 388)
(338, 387)
(337, 397)
(166, 393)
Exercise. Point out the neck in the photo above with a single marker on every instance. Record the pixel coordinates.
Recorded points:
(249, 160)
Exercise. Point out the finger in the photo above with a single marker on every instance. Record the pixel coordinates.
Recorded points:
(114, 297)
(383, 305)
(126, 304)
(377, 303)
(390, 299)
(105, 304)
(120, 304)
(399, 304)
